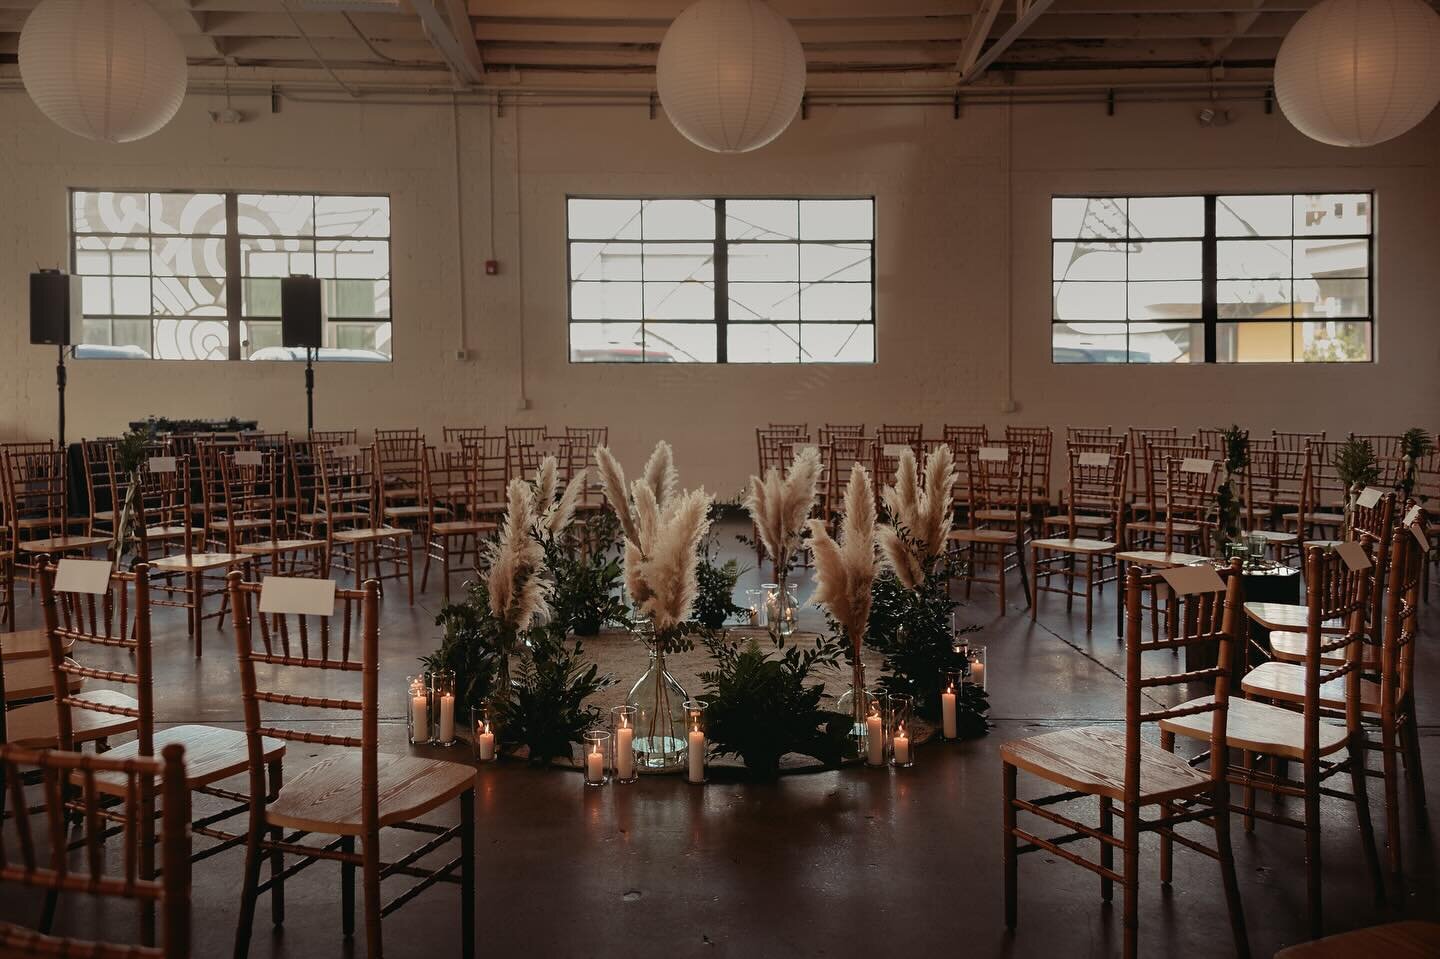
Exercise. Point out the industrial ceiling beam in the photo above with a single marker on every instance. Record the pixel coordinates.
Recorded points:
(1026, 13)
(453, 39)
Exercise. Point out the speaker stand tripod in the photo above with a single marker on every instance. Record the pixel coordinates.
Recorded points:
(60, 377)
(309, 393)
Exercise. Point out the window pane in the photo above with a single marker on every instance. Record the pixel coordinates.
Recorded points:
(182, 256)
(258, 335)
(605, 343)
(1164, 216)
(680, 301)
(835, 301)
(1178, 260)
(272, 215)
(95, 295)
(357, 298)
(764, 261)
(361, 342)
(1089, 301)
(837, 343)
(104, 212)
(834, 261)
(117, 255)
(764, 343)
(1165, 300)
(679, 261)
(1332, 214)
(276, 256)
(1088, 217)
(129, 296)
(764, 301)
(1332, 258)
(1167, 343)
(604, 261)
(762, 219)
(604, 219)
(1088, 261)
(352, 216)
(679, 343)
(1245, 299)
(1252, 215)
(188, 296)
(260, 297)
(192, 213)
(837, 219)
(191, 339)
(1253, 343)
(352, 259)
(1332, 298)
(1088, 342)
(678, 220)
(1253, 259)
(605, 301)
(1328, 342)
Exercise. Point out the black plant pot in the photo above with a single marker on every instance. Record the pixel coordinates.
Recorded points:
(586, 626)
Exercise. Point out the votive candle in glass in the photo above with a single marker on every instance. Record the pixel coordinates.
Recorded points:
(875, 730)
(622, 729)
(485, 742)
(695, 743)
(902, 730)
(976, 671)
(418, 713)
(952, 682)
(596, 753)
(755, 600)
(442, 698)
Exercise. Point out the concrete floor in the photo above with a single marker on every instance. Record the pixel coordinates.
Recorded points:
(848, 863)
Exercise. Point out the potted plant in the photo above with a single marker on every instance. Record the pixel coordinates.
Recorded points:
(1236, 443)
(780, 506)
(1356, 466)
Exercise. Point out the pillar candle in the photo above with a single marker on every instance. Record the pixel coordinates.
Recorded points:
(447, 718)
(901, 746)
(947, 712)
(594, 765)
(624, 751)
(697, 756)
(420, 713)
(874, 740)
(977, 673)
(486, 741)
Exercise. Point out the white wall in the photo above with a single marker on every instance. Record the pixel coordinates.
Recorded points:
(958, 204)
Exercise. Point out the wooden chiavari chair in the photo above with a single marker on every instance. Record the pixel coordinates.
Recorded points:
(516, 437)
(1259, 483)
(1182, 480)
(36, 496)
(845, 452)
(27, 446)
(80, 776)
(460, 435)
(791, 429)
(457, 477)
(1140, 438)
(1295, 442)
(406, 496)
(996, 515)
(349, 497)
(100, 490)
(1323, 750)
(1095, 507)
(1387, 446)
(404, 433)
(964, 437)
(335, 437)
(833, 431)
(1041, 440)
(1121, 768)
(594, 435)
(1094, 436)
(352, 793)
(1320, 516)
(899, 434)
(256, 490)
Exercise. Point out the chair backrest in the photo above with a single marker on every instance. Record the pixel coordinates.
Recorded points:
(962, 438)
(1041, 440)
(335, 437)
(1158, 455)
(44, 862)
(1334, 591)
(1140, 437)
(28, 446)
(161, 502)
(1323, 488)
(999, 479)
(399, 461)
(1294, 442)
(792, 429)
(256, 440)
(253, 483)
(492, 468)
(460, 435)
(1189, 495)
(899, 433)
(407, 433)
(118, 618)
(1097, 483)
(99, 489)
(1205, 614)
(823, 490)
(769, 441)
(1258, 483)
(1397, 654)
(1390, 446)
(526, 435)
(346, 490)
(831, 431)
(35, 493)
(1092, 435)
(596, 435)
(302, 647)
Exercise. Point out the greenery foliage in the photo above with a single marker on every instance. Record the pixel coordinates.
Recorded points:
(163, 424)
(471, 647)
(1415, 444)
(587, 570)
(1355, 463)
(715, 602)
(762, 705)
(546, 711)
(1236, 443)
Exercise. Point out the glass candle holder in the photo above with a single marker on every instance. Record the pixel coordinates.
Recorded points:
(755, 607)
(442, 705)
(622, 730)
(1258, 547)
(952, 683)
(596, 749)
(418, 710)
(783, 609)
(487, 746)
(975, 669)
(902, 730)
(695, 743)
(770, 605)
(875, 742)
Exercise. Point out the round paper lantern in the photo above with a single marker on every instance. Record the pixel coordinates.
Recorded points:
(1354, 73)
(109, 70)
(731, 74)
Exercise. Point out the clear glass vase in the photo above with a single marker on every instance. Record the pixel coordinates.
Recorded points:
(659, 702)
(855, 703)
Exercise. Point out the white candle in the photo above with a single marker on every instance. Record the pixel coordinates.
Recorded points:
(947, 712)
(486, 743)
(420, 713)
(977, 673)
(594, 765)
(697, 756)
(874, 740)
(754, 616)
(447, 718)
(624, 750)
(901, 745)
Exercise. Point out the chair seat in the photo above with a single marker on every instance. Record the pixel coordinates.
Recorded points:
(249, 522)
(36, 725)
(1286, 682)
(1160, 560)
(63, 544)
(369, 534)
(212, 753)
(1179, 528)
(1081, 519)
(1410, 939)
(402, 492)
(196, 562)
(1258, 727)
(1317, 518)
(169, 532)
(269, 546)
(30, 679)
(326, 797)
(1289, 618)
(102, 516)
(339, 516)
(1273, 536)
(1292, 648)
(28, 644)
(982, 535)
(454, 527)
(402, 512)
(1074, 545)
(1091, 759)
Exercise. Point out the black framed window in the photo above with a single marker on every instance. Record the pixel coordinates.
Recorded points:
(721, 280)
(1252, 278)
(174, 275)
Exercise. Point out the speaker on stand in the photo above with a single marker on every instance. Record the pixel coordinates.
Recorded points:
(302, 324)
(55, 318)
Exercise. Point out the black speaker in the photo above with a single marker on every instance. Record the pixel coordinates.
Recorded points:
(302, 311)
(55, 308)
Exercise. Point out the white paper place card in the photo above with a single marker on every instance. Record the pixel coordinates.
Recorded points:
(247, 458)
(895, 450)
(1094, 459)
(161, 464)
(348, 451)
(994, 454)
(1353, 555)
(82, 576)
(299, 595)
(1421, 538)
(1412, 517)
(1189, 580)
(1194, 464)
(1368, 497)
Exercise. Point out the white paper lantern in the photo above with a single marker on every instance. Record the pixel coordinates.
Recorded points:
(109, 70)
(1354, 73)
(731, 74)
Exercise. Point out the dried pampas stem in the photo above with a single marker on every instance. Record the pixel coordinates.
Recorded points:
(780, 507)
(920, 517)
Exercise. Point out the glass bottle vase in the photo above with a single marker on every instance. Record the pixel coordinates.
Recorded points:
(659, 702)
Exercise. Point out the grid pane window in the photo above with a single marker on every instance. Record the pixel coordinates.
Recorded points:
(1229, 279)
(157, 285)
(794, 277)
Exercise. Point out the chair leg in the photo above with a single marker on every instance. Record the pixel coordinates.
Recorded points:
(1248, 759)
(467, 874)
(1360, 785)
(1107, 851)
(1131, 880)
(1390, 764)
(1167, 844)
(347, 888)
(1089, 588)
(1227, 867)
(276, 777)
(1312, 848)
(248, 893)
(370, 870)
(1035, 578)
(1011, 855)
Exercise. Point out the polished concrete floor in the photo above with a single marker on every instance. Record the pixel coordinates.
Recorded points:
(848, 863)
